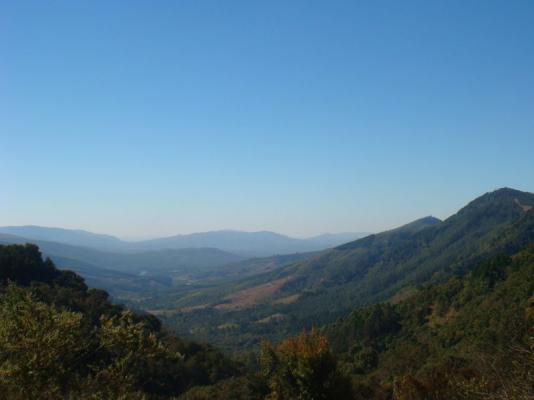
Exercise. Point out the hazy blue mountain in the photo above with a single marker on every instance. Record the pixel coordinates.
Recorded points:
(248, 244)
(129, 271)
(74, 237)
(262, 243)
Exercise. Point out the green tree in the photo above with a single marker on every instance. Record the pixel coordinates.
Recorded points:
(138, 360)
(40, 347)
(303, 368)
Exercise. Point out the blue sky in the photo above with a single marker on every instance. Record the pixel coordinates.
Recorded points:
(152, 118)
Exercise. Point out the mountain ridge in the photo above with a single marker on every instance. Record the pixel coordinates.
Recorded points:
(247, 244)
(374, 268)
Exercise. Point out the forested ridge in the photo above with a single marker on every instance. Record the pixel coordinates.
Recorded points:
(318, 290)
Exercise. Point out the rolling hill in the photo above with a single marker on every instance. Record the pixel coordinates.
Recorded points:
(122, 273)
(74, 237)
(246, 244)
(251, 244)
(470, 336)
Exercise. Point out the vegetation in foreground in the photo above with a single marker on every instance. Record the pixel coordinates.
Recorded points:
(59, 339)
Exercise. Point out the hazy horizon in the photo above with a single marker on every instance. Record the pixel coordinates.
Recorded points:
(141, 119)
(146, 237)
(152, 233)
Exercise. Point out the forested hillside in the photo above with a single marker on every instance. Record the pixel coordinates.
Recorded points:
(59, 339)
(471, 338)
(127, 275)
(320, 289)
(468, 338)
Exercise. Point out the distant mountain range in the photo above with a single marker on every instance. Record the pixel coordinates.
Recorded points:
(247, 244)
(124, 268)
(251, 244)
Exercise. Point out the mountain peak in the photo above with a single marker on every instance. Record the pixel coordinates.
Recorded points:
(418, 224)
(501, 200)
(507, 191)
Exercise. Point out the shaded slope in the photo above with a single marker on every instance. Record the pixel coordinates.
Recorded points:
(59, 339)
(375, 267)
(467, 338)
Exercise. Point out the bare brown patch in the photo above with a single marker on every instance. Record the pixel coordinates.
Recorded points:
(434, 320)
(402, 295)
(162, 312)
(272, 318)
(249, 297)
(523, 207)
(172, 311)
(288, 300)
(193, 308)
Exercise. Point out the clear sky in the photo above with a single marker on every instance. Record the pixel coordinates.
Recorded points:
(159, 117)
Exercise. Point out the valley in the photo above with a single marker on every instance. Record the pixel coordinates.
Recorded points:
(325, 286)
(408, 302)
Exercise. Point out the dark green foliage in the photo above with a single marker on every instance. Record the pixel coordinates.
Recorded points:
(240, 388)
(303, 368)
(23, 264)
(469, 338)
(60, 339)
(493, 270)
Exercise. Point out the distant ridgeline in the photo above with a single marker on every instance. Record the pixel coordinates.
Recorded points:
(319, 289)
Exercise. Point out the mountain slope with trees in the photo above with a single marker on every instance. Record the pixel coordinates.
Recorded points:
(59, 339)
(471, 337)
(319, 289)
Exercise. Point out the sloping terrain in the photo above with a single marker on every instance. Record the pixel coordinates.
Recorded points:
(468, 338)
(59, 339)
(368, 270)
